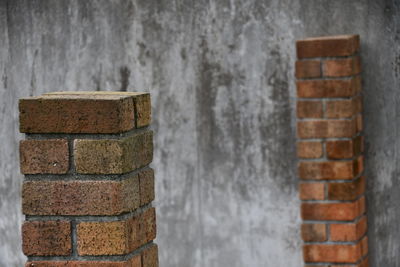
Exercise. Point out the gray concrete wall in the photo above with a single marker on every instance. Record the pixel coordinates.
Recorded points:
(221, 77)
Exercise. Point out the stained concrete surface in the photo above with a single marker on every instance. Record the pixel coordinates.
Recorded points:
(221, 77)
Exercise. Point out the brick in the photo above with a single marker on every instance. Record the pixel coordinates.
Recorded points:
(148, 225)
(326, 128)
(329, 170)
(312, 191)
(308, 69)
(150, 256)
(46, 238)
(146, 182)
(333, 211)
(113, 156)
(106, 238)
(309, 109)
(341, 67)
(44, 156)
(136, 261)
(309, 149)
(80, 197)
(328, 88)
(313, 232)
(84, 112)
(342, 149)
(330, 46)
(335, 253)
(116, 237)
(346, 191)
(348, 232)
(343, 108)
(359, 123)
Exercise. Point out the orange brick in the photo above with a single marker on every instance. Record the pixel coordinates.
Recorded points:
(343, 108)
(328, 170)
(150, 256)
(335, 253)
(136, 261)
(116, 237)
(312, 191)
(329, 46)
(80, 197)
(309, 109)
(348, 232)
(309, 149)
(359, 123)
(84, 112)
(146, 182)
(342, 149)
(46, 238)
(328, 88)
(326, 128)
(148, 227)
(341, 67)
(49, 156)
(308, 69)
(346, 191)
(313, 232)
(333, 211)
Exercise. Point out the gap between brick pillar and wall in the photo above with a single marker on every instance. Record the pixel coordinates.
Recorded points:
(88, 186)
(330, 152)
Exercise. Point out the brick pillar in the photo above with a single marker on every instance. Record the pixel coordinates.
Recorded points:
(88, 186)
(330, 152)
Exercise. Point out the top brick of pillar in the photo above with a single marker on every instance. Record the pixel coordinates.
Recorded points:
(85, 112)
(331, 46)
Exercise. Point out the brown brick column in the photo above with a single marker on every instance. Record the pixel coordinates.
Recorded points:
(88, 186)
(330, 149)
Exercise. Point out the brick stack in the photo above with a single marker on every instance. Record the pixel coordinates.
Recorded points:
(88, 188)
(330, 148)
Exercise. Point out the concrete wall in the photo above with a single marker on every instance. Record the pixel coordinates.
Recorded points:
(221, 77)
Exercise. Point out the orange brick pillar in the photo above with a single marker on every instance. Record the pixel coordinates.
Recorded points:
(88, 186)
(330, 152)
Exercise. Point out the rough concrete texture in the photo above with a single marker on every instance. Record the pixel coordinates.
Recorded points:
(222, 82)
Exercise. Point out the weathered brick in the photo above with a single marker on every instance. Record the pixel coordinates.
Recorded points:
(312, 191)
(335, 253)
(326, 128)
(343, 108)
(308, 69)
(342, 149)
(49, 156)
(116, 237)
(80, 197)
(329, 170)
(333, 211)
(330, 46)
(346, 191)
(84, 112)
(328, 88)
(136, 261)
(150, 256)
(46, 238)
(146, 182)
(113, 156)
(105, 238)
(148, 227)
(309, 149)
(312, 232)
(309, 109)
(359, 123)
(347, 232)
(341, 67)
